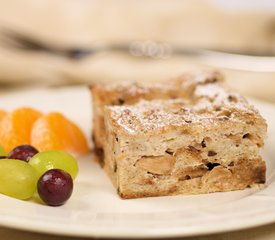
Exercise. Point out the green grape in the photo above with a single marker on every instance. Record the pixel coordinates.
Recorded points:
(17, 179)
(45, 161)
(2, 151)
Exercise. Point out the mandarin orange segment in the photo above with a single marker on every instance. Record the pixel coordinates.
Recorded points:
(2, 114)
(15, 127)
(56, 132)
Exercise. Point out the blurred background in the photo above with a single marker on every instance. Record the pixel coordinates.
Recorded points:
(66, 42)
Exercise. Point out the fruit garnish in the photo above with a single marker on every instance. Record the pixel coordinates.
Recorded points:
(17, 179)
(45, 161)
(23, 152)
(23, 133)
(15, 127)
(55, 187)
(56, 132)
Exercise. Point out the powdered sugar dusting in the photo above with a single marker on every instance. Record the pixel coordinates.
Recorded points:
(208, 102)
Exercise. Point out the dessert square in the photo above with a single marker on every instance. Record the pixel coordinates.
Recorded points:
(205, 140)
(131, 93)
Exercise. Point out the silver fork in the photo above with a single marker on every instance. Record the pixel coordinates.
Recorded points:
(250, 61)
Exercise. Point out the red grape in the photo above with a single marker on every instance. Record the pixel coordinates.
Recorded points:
(23, 152)
(55, 187)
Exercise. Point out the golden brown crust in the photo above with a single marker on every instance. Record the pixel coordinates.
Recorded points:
(159, 116)
(131, 93)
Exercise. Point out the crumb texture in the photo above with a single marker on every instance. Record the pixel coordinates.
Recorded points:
(191, 135)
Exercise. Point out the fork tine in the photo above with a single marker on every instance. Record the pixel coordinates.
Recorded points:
(23, 41)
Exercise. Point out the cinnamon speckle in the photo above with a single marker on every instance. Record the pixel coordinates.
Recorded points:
(211, 153)
(209, 103)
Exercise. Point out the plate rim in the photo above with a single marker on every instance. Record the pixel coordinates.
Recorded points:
(104, 233)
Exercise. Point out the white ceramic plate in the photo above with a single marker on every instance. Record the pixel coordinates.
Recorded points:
(95, 210)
